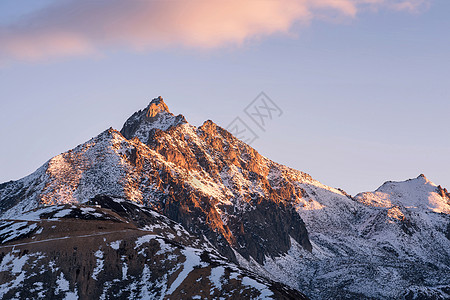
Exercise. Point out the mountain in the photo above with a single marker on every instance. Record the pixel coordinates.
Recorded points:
(264, 217)
(202, 177)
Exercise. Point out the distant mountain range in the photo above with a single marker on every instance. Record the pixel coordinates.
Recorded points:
(166, 210)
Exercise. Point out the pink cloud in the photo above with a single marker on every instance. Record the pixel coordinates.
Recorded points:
(411, 5)
(399, 5)
(80, 27)
(35, 47)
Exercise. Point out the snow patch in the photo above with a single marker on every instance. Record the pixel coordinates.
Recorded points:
(100, 263)
(62, 285)
(115, 245)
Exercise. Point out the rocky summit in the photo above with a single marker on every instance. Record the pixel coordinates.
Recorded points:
(163, 209)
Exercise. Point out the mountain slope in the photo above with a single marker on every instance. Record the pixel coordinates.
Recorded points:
(112, 248)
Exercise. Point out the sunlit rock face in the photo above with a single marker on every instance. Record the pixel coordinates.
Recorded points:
(156, 106)
(271, 219)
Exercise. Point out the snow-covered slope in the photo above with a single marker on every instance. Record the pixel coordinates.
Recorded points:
(417, 194)
(93, 168)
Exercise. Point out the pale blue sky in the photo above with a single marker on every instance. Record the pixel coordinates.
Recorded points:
(365, 99)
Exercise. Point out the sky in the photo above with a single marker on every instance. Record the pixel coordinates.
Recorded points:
(363, 85)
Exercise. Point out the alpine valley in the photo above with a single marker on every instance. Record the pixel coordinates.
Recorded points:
(166, 210)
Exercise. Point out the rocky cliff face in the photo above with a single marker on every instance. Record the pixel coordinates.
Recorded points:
(231, 186)
(266, 217)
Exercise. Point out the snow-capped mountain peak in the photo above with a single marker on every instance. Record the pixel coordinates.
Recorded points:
(417, 193)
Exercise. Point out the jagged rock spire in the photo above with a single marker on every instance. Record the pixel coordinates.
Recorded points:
(156, 106)
(155, 116)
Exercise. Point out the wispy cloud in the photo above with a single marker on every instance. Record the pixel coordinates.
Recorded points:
(80, 27)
